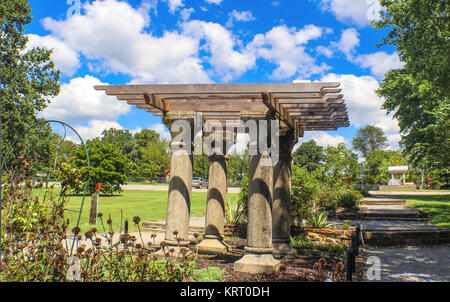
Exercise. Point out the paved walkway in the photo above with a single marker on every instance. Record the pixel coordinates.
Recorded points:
(407, 263)
(412, 263)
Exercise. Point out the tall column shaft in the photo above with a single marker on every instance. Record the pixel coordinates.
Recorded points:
(179, 201)
(259, 227)
(215, 206)
(281, 212)
(181, 127)
(258, 257)
(217, 196)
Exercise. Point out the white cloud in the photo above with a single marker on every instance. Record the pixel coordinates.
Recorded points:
(348, 42)
(227, 61)
(379, 63)
(186, 13)
(286, 47)
(78, 102)
(325, 51)
(64, 57)
(322, 139)
(213, 1)
(124, 46)
(174, 5)
(93, 130)
(364, 106)
(359, 12)
(161, 130)
(244, 16)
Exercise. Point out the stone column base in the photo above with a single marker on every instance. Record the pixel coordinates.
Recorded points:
(283, 249)
(257, 264)
(179, 253)
(212, 244)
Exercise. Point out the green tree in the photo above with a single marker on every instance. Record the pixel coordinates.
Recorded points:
(418, 94)
(420, 31)
(107, 165)
(237, 167)
(123, 139)
(28, 77)
(309, 155)
(368, 139)
(341, 163)
(377, 162)
(201, 166)
(156, 157)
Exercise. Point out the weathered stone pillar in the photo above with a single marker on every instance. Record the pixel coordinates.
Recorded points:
(281, 216)
(258, 257)
(180, 187)
(217, 191)
(215, 206)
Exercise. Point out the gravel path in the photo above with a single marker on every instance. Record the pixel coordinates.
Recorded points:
(412, 263)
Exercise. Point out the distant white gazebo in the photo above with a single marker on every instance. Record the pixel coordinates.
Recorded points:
(397, 170)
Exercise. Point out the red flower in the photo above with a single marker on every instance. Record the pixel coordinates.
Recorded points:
(98, 187)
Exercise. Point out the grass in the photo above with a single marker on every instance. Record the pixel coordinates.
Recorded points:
(148, 205)
(305, 246)
(412, 190)
(437, 206)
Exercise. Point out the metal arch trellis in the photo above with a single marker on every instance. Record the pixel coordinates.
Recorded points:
(5, 165)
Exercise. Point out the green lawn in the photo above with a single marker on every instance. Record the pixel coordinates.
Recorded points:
(148, 205)
(437, 206)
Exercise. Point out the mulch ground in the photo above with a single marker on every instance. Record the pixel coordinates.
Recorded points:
(301, 268)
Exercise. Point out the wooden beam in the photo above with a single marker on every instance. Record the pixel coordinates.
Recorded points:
(216, 88)
(155, 102)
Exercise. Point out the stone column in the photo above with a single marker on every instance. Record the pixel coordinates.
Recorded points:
(179, 197)
(215, 206)
(217, 192)
(258, 257)
(281, 216)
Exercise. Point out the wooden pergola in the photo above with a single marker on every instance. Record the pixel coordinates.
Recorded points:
(298, 107)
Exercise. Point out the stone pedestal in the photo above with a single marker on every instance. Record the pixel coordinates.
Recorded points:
(215, 206)
(282, 199)
(258, 257)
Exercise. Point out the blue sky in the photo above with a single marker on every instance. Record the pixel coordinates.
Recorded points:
(205, 41)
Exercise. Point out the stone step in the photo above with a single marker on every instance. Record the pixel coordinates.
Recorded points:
(394, 237)
(382, 201)
(365, 214)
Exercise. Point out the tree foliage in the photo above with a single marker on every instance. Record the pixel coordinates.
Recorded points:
(309, 155)
(107, 165)
(28, 77)
(418, 94)
(368, 139)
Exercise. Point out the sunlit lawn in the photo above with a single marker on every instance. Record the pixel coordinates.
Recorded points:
(148, 205)
(437, 206)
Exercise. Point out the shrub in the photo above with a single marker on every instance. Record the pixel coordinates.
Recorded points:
(317, 219)
(349, 201)
(35, 245)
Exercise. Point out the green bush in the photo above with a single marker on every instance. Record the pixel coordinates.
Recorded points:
(349, 201)
(35, 245)
(317, 219)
